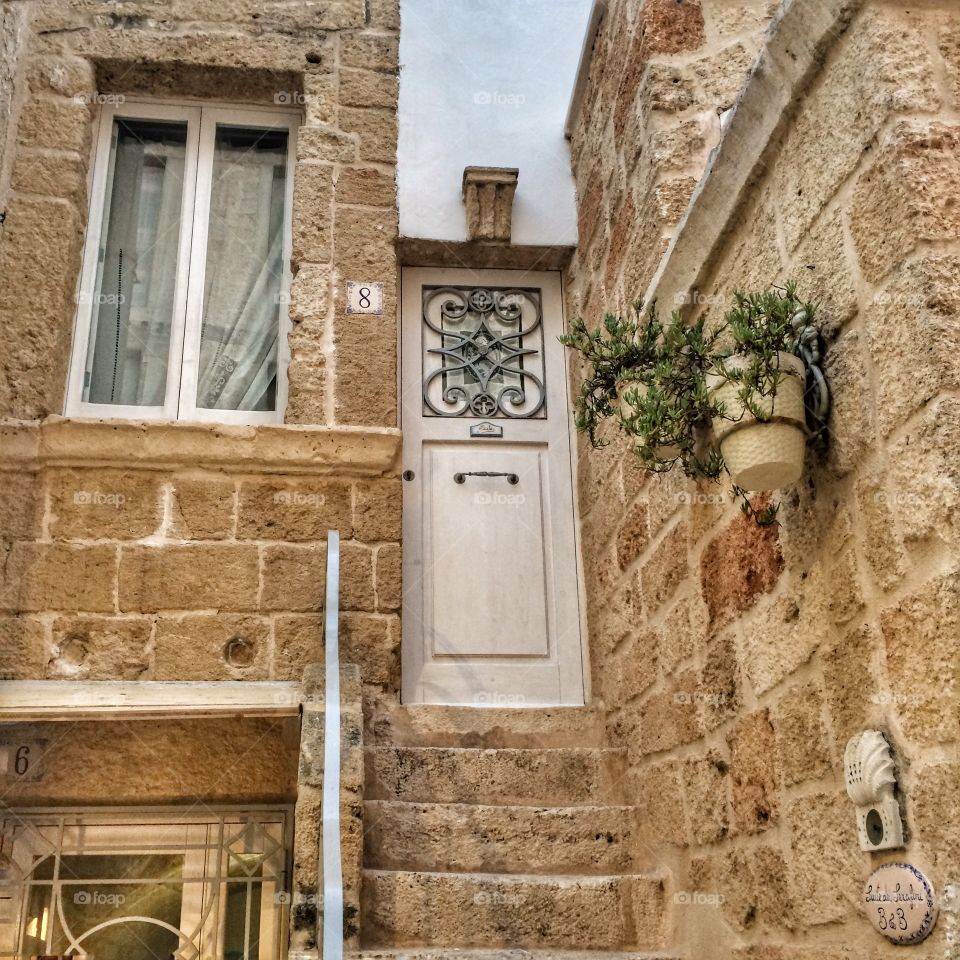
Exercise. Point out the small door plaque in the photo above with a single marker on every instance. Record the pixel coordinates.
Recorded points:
(22, 760)
(900, 903)
(485, 429)
(364, 296)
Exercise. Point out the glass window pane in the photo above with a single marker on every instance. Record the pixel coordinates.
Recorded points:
(123, 889)
(243, 281)
(133, 304)
(115, 906)
(241, 924)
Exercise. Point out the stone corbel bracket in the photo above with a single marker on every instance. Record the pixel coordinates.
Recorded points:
(488, 196)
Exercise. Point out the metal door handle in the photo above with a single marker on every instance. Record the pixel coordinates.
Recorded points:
(462, 477)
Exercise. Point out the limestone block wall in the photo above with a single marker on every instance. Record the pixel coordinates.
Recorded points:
(736, 662)
(137, 555)
(177, 569)
(11, 22)
(661, 74)
(129, 761)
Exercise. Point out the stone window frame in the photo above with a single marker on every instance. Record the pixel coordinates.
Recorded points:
(202, 117)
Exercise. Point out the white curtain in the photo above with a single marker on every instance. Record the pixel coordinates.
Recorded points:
(243, 280)
(132, 309)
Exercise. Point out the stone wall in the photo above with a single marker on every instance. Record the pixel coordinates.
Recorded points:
(129, 760)
(185, 568)
(661, 74)
(11, 22)
(138, 556)
(736, 662)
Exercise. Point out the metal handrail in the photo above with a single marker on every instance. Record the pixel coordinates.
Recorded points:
(330, 807)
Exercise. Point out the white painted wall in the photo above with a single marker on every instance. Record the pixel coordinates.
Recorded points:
(487, 83)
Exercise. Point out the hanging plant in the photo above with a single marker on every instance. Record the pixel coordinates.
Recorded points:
(761, 428)
(667, 384)
(619, 350)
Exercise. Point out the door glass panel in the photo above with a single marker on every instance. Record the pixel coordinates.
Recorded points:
(241, 928)
(106, 898)
(243, 280)
(162, 890)
(482, 353)
(133, 299)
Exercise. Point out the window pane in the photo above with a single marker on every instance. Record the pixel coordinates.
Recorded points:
(241, 924)
(136, 275)
(244, 271)
(116, 906)
(119, 888)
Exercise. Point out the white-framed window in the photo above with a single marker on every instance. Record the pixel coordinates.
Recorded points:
(148, 884)
(182, 304)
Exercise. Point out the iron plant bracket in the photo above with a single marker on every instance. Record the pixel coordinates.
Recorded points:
(816, 395)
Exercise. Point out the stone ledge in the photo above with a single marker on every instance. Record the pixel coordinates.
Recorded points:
(72, 700)
(160, 445)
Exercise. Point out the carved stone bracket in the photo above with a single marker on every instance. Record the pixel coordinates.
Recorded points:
(488, 196)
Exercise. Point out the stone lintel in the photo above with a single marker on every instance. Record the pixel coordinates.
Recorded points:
(488, 196)
(160, 445)
(481, 255)
(36, 700)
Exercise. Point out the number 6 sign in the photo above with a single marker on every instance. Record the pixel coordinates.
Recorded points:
(22, 761)
(364, 296)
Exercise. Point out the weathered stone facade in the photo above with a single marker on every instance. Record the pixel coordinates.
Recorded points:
(735, 662)
(169, 571)
(173, 551)
(729, 664)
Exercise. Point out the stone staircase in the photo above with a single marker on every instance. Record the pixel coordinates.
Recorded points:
(500, 835)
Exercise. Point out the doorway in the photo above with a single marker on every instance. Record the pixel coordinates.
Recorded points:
(491, 606)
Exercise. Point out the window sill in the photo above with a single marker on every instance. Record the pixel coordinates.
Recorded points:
(288, 448)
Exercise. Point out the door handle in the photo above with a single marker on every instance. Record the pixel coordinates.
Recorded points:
(462, 477)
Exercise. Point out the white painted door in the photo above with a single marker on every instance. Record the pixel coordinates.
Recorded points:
(491, 608)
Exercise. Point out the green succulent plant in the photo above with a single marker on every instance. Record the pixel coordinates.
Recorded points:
(654, 378)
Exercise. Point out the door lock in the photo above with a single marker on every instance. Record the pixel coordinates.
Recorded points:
(408, 475)
(462, 477)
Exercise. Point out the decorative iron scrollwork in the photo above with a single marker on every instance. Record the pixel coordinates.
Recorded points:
(485, 352)
(816, 396)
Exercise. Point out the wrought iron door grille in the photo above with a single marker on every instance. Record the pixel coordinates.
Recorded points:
(144, 885)
(483, 352)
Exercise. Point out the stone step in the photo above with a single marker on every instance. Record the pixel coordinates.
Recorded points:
(564, 777)
(468, 838)
(434, 725)
(458, 953)
(420, 909)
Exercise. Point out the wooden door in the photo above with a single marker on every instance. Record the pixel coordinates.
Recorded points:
(491, 608)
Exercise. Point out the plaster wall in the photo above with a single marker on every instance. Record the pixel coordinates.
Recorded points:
(487, 85)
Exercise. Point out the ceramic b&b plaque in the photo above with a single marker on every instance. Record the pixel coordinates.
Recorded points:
(900, 903)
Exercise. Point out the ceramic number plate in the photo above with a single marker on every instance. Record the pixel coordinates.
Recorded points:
(900, 903)
(364, 296)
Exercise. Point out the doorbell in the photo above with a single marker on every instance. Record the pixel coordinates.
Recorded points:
(869, 771)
